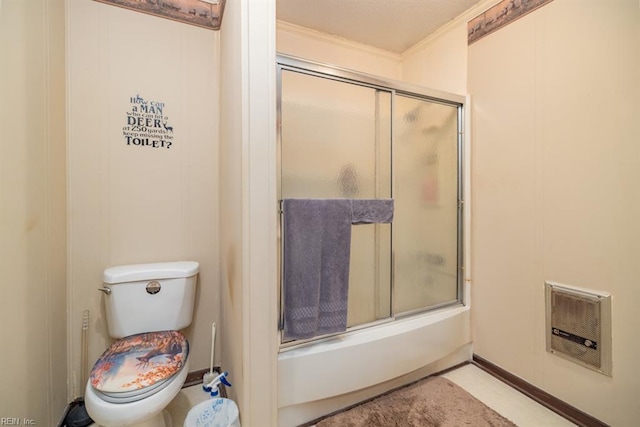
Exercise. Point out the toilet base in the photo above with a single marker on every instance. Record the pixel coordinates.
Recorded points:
(163, 419)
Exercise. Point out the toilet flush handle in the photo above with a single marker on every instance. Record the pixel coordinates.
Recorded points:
(107, 291)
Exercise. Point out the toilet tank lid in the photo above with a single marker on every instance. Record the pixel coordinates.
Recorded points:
(155, 271)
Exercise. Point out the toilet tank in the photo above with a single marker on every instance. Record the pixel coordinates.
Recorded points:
(149, 297)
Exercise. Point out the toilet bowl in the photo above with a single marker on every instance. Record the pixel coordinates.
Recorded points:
(142, 371)
(136, 378)
(147, 412)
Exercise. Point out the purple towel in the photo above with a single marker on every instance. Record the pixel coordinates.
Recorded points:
(317, 246)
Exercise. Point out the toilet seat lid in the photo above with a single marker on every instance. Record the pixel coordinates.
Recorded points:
(138, 362)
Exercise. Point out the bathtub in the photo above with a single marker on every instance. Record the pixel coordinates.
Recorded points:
(323, 377)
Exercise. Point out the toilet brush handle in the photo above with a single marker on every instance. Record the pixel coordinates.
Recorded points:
(209, 376)
(213, 345)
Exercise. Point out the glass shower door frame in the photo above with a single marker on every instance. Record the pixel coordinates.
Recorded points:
(288, 63)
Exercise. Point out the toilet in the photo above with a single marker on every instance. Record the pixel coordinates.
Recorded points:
(136, 378)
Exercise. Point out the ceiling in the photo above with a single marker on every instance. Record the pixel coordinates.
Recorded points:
(392, 25)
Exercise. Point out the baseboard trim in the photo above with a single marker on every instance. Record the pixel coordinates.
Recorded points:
(195, 377)
(556, 405)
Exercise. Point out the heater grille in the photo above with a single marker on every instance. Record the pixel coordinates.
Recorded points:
(579, 326)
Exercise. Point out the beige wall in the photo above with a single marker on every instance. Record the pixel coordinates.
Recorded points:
(33, 211)
(232, 149)
(554, 182)
(136, 204)
(440, 61)
(315, 46)
(556, 169)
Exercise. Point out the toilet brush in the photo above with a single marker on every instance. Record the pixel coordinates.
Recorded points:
(209, 376)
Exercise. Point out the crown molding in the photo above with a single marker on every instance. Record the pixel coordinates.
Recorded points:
(463, 18)
(324, 37)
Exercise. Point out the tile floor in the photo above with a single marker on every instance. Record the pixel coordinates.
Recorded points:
(492, 392)
(505, 400)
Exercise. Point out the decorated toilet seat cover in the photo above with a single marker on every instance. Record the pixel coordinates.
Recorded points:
(140, 361)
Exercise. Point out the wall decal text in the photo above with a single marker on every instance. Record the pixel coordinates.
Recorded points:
(147, 125)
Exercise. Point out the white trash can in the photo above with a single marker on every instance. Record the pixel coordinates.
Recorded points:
(216, 412)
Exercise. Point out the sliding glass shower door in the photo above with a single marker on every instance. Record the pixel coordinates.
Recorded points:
(336, 141)
(342, 135)
(425, 227)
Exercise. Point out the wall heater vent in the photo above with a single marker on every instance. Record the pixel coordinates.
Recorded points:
(578, 323)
